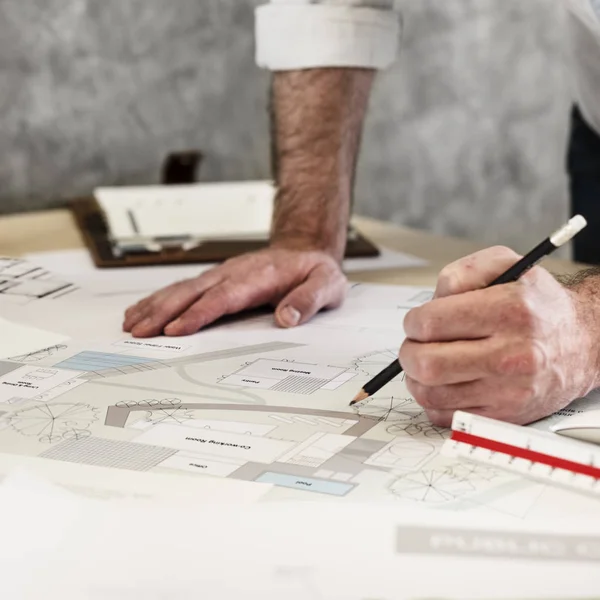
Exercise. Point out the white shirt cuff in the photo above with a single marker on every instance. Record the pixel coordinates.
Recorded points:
(311, 36)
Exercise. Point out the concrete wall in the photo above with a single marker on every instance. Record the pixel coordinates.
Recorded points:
(465, 133)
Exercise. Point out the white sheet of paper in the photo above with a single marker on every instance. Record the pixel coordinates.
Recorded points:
(16, 339)
(204, 210)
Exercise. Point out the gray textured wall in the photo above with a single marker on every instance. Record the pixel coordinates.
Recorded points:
(465, 133)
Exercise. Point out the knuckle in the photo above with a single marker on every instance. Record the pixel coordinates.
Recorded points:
(168, 306)
(427, 327)
(512, 407)
(408, 322)
(416, 324)
(232, 296)
(426, 397)
(426, 370)
(268, 271)
(227, 291)
(538, 359)
(521, 312)
(222, 297)
(161, 307)
(157, 310)
(502, 252)
(142, 305)
(179, 287)
(526, 393)
(196, 284)
(311, 298)
(528, 360)
(449, 281)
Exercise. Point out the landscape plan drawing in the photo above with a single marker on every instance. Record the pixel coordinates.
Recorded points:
(248, 401)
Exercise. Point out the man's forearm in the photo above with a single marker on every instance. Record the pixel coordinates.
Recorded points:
(317, 122)
(586, 288)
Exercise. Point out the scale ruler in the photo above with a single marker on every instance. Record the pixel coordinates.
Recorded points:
(542, 456)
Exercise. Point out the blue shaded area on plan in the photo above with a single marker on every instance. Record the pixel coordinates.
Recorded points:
(323, 486)
(100, 361)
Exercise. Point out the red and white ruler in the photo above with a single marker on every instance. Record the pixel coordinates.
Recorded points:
(543, 456)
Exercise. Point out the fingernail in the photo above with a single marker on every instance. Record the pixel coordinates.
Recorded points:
(289, 316)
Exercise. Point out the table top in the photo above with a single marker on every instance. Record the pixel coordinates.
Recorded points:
(56, 230)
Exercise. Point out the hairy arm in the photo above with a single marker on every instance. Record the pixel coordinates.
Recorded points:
(585, 286)
(323, 55)
(317, 121)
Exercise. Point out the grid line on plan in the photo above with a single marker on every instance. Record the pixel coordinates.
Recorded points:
(103, 361)
(297, 384)
(109, 453)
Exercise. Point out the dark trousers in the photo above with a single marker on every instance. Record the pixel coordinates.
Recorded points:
(583, 168)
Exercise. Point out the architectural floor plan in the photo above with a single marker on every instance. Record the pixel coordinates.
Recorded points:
(249, 401)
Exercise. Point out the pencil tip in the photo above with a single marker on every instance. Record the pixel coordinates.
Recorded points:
(362, 395)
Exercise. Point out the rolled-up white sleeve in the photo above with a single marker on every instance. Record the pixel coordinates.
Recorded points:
(304, 34)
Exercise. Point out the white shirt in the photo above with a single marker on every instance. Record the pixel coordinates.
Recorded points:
(584, 34)
(302, 34)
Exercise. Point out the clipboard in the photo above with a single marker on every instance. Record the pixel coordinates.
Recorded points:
(91, 224)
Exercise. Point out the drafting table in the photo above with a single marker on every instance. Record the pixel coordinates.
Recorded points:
(56, 230)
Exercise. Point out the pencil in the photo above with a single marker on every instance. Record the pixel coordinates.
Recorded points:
(560, 237)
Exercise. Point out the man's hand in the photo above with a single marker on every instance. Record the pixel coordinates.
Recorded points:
(515, 352)
(299, 283)
(317, 118)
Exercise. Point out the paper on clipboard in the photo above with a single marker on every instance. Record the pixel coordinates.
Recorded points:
(201, 211)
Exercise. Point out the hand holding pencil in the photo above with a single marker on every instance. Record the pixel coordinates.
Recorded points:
(515, 352)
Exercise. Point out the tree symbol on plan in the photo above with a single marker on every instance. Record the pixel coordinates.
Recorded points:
(170, 411)
(166, 410)
(390, 408)
(55, 422)
(404, 415)
(370, 364)
(433, 486)
(39, 355)
(420, 427)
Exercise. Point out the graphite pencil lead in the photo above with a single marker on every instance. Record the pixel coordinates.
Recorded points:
(362, 395)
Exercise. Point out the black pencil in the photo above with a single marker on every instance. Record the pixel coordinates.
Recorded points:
(550, 244)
